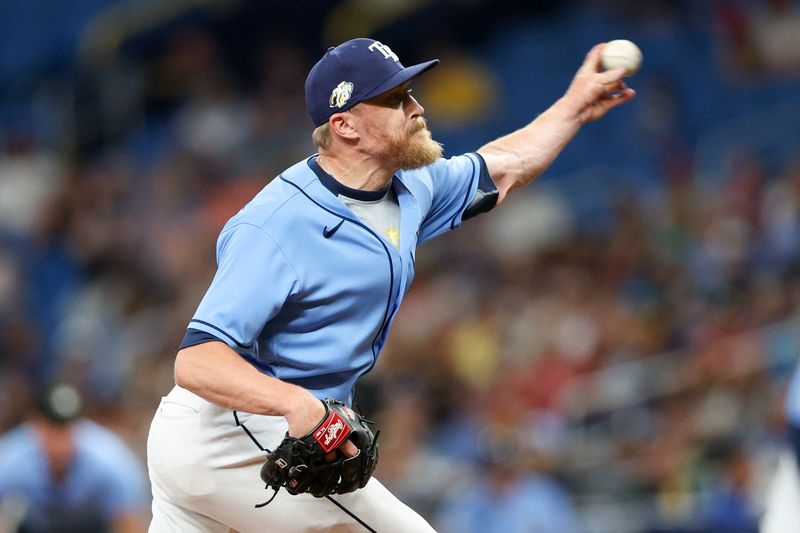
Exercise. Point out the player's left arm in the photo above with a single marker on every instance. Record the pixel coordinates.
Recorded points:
(518, 158)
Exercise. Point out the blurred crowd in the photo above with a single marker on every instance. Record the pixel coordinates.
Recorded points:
(544, 374)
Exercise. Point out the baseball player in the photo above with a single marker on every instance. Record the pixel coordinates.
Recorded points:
(310, 276)
(793, 413)
(782, 512)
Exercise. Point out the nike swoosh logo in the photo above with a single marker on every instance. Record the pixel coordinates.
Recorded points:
(328, 233)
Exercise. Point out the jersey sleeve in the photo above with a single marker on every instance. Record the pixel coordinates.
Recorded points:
(460, 187)
(253, 280)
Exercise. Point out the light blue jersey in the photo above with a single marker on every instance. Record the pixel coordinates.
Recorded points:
(306, 291)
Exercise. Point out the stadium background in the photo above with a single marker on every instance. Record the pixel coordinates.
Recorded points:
(619, 334)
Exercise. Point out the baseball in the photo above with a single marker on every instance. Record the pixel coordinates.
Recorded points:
(621, 53)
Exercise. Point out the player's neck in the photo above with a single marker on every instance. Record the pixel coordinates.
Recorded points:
(357, 171)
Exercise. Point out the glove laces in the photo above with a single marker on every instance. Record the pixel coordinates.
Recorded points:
(260, 505)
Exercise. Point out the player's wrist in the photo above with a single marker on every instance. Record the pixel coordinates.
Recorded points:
(303, 412)
(569, 110)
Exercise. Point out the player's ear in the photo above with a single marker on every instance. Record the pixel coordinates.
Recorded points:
(343, 125)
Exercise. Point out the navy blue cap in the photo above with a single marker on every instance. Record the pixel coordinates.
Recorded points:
(355, 70)
(60, 403)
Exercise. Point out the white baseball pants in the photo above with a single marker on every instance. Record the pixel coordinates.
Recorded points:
(782, 514)
(204, 470)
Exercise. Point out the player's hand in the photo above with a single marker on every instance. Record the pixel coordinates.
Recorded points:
(318, 462)
(594, 92)
(305, 415)
(348, 449)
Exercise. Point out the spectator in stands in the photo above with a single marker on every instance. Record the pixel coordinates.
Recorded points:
(507, 494)
(729, 505)
(62, 473)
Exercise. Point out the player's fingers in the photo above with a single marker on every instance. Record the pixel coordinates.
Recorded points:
(619, 98)
(610, 101)
(349, 449)
(592, 61)
(614, 87)
(613, 75)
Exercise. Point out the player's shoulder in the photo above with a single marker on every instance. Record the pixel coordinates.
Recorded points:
(444, 172)
(277, 199)
(467, 162)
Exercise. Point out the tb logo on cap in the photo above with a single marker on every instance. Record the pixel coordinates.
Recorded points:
(385, 50)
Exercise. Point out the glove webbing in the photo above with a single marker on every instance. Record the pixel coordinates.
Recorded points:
(274, 494)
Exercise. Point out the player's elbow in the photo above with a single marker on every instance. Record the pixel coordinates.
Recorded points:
(505, 169)
(199, 365)
(506, 183)
(184, 370)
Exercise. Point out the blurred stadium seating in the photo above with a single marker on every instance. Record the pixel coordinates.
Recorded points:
(630, 319)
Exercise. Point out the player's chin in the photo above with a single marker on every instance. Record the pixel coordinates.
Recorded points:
(422, 152)
(423, 133)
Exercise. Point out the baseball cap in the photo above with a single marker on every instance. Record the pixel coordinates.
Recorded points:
(355, 70)
(60, 403)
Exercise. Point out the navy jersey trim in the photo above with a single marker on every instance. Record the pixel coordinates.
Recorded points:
(486, 196)
(794, 439)
(215, 328)
(338, 188)
(466, 198)
(386, 315)
(194, 337)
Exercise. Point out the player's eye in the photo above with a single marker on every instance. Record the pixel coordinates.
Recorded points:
(400, 96)
(395, 98)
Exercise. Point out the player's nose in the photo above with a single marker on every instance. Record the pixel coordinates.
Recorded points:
(416, 109)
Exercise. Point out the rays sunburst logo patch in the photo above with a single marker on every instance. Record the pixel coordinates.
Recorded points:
(341, 94)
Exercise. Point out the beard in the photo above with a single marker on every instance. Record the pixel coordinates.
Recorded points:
(413, 148)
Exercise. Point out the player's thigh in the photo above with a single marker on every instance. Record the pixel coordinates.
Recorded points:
(241, 489)
(218, 476)
(171, 518)
(209, 467)
(382, 510)
(373, 506)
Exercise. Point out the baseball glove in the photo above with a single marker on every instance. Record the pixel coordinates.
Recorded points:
(300, 464)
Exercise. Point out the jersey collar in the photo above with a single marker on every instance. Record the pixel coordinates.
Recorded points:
(338, 188)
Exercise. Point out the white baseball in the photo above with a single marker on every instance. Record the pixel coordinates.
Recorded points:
(621, 53)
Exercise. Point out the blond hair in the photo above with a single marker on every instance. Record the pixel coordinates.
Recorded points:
(322, 136)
